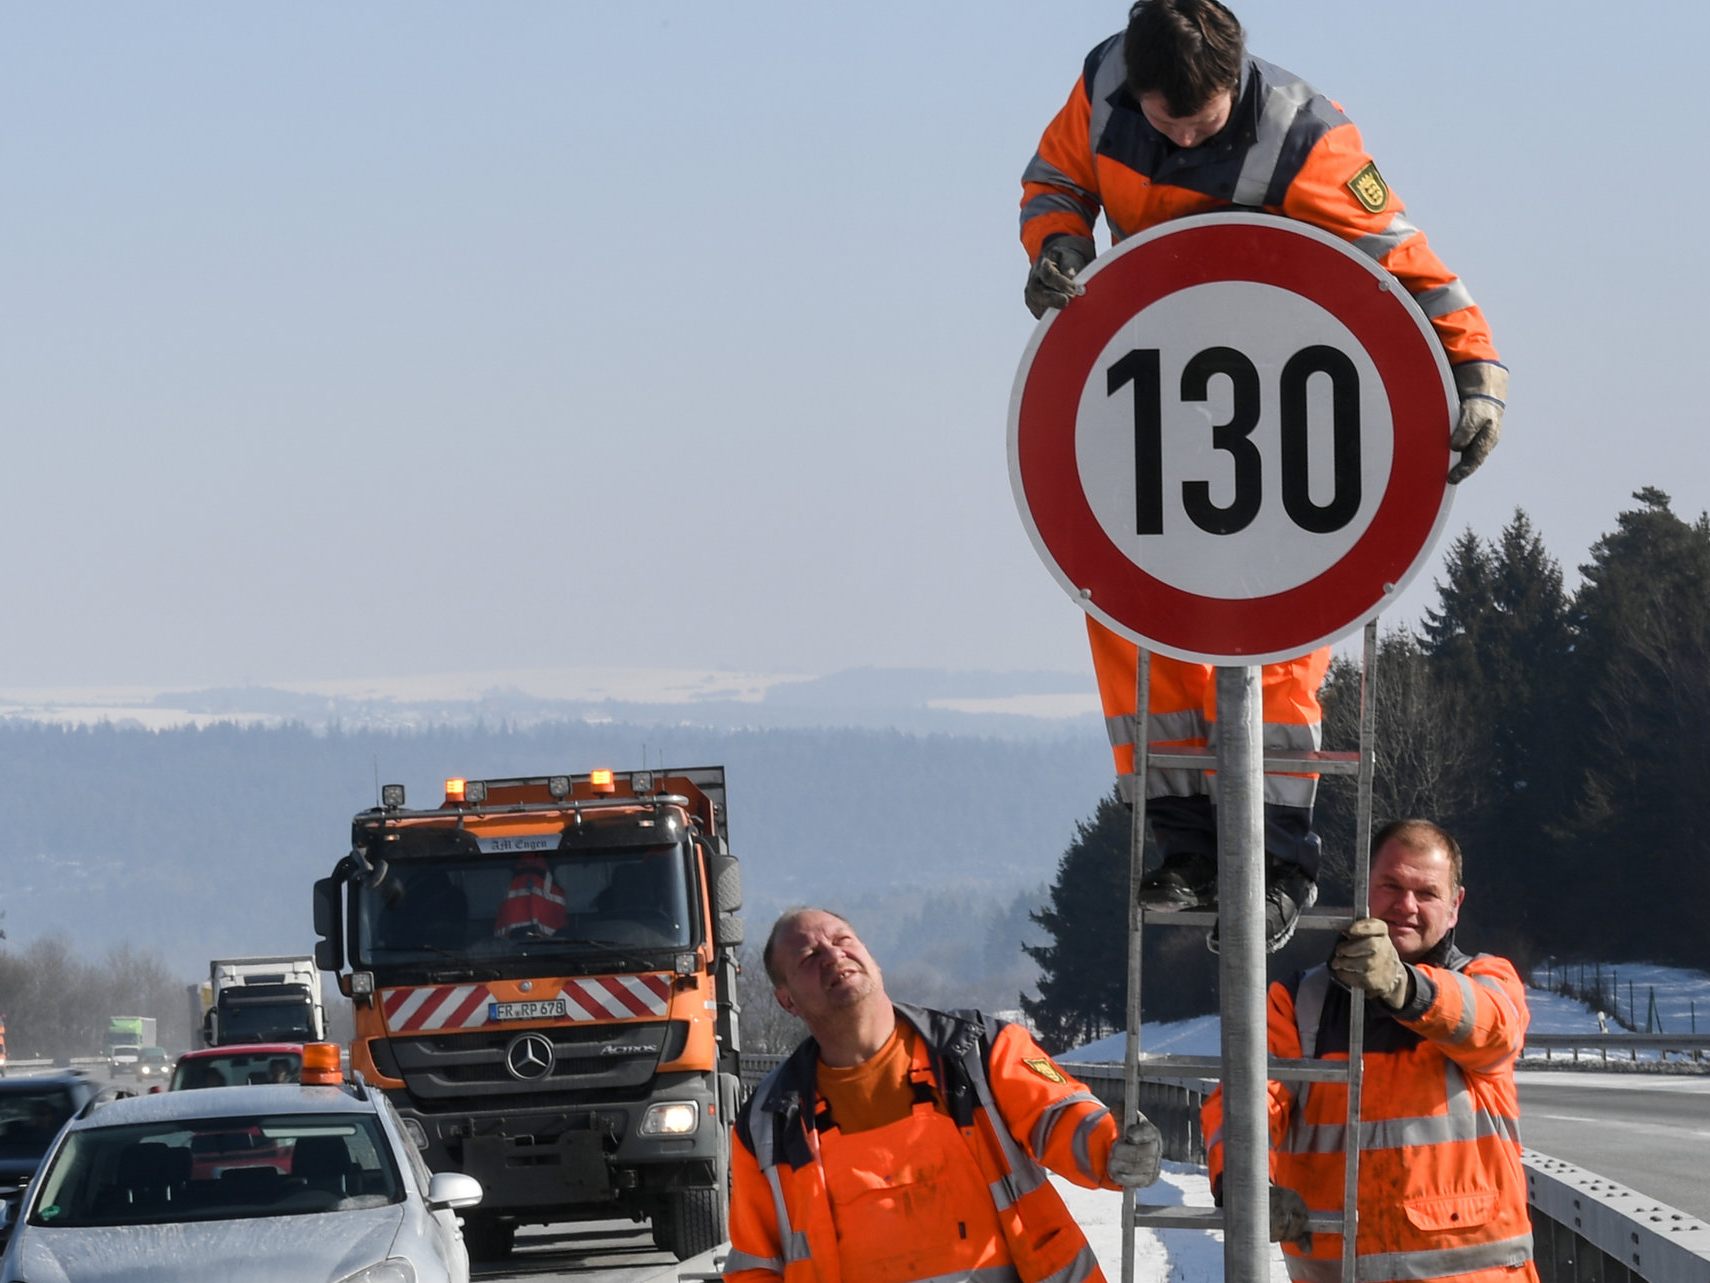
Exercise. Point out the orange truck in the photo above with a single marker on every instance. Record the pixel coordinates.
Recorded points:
(543, 973)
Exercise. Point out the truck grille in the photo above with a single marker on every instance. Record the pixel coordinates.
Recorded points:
(445, 1068)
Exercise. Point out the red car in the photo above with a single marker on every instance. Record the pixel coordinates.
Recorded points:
(215, 1152)
(240, 1065)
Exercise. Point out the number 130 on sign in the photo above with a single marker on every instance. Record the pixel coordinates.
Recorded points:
(1234, 446)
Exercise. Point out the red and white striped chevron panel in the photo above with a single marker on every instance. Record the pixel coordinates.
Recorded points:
(587, 998)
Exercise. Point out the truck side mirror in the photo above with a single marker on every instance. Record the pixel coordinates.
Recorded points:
(727, 931)
(726, 873)
(727, 883)
(329, 949)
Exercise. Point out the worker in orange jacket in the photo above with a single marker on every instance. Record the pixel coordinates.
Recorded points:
(1442, 1194)
(1169, 118)
(900, 1144)
(534, 905)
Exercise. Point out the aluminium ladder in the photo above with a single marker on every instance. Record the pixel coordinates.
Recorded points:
(1249, 1265)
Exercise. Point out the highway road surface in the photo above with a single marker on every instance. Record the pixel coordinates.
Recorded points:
(1649, 1132)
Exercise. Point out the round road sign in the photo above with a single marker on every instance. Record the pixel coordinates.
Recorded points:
(1234, 447)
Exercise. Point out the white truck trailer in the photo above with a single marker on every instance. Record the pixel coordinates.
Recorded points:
(267, 999)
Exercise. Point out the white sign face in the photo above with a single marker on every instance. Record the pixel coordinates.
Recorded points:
(1241, 540)
(1234, 446)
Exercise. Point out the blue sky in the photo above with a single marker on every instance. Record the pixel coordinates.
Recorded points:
(346, 340)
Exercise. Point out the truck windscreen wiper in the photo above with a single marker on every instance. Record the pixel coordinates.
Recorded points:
(629, 955)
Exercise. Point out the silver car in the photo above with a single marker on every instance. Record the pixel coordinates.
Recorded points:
(291, 1183)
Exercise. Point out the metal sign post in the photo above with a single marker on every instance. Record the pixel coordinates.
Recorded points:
(1241, 974)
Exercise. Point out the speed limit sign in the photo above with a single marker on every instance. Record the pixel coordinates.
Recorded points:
(1234, 447)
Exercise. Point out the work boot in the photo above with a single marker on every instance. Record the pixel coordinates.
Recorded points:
(1180, 882)
(1288, 894)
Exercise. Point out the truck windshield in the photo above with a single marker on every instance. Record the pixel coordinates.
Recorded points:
(268, 1020)
(500, 906)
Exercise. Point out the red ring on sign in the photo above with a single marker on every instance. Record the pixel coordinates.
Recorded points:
(1271, 252)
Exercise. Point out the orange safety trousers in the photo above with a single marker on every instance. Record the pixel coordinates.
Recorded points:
(1181, 712)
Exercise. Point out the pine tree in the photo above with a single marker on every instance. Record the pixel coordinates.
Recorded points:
(1499, 648)
(1082, 972)
(1640, 846)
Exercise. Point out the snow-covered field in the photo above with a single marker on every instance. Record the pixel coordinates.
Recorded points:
(1682, 1002)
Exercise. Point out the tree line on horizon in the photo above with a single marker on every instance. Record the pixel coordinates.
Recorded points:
(1562, 736)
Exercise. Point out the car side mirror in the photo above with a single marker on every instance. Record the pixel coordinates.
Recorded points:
(453, 1189)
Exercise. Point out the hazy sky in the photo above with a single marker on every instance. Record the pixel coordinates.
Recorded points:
(345, 340)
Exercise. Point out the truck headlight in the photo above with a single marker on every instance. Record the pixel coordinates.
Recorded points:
(671, 1118)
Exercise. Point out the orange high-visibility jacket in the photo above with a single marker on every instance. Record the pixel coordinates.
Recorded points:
(532, 903)
(1010, 1105)
(1442, 1194)
(1287, 150)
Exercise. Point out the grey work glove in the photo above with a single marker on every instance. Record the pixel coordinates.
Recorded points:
(1052, 281)
(1366, 961)
(1136, 1157)
(1483, 386)
(1288, 1218)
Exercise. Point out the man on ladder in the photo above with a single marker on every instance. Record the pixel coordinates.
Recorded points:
(1442, 1194)
(1172, 118)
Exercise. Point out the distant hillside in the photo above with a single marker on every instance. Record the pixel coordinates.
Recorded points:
(201, 842)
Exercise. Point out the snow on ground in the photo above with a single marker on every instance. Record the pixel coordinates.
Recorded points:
(1160, 1256)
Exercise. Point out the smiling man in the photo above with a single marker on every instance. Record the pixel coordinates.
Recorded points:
(900, 1144)
(1442, 1194)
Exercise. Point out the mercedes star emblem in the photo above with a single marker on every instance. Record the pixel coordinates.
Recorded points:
(529, 1056)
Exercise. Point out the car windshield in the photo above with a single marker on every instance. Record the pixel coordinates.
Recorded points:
(516, 905)
(212, 1169)
(155, 1055)
(30, 1118)
(237, 1068)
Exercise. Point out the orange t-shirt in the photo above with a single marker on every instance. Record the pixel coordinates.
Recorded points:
(876, 1091)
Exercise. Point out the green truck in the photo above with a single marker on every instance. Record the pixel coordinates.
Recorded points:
(126, 1037)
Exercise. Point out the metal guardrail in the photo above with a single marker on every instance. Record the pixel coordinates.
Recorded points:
(1628, 1044)
(1585, 1229)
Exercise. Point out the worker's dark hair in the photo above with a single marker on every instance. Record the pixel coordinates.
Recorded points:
(1422, 835)
(784, 919)
(1187, 50)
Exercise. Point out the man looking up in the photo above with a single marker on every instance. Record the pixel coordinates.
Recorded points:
(1170, 118)
(1442, 1193)
(900, 1144)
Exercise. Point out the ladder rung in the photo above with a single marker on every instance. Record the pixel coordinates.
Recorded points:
(1311, 920)
(1160, 1216)
(1320, 761)
(1164, 1217)
(1302, 1071)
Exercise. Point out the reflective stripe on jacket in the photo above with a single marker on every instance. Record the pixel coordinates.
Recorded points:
(1012, 1108)
(1287, 150)
(1442, 1193)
